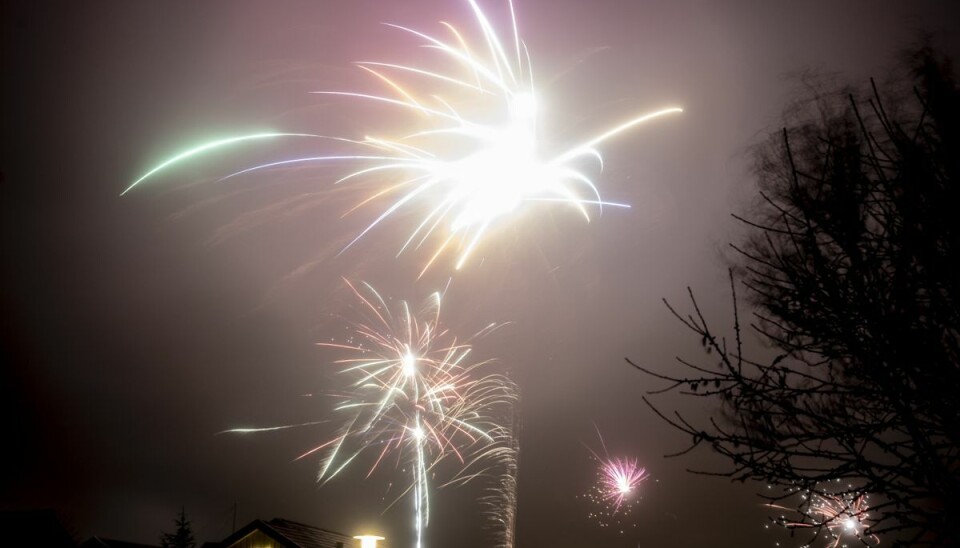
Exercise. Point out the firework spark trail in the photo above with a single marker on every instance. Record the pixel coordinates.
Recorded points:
(414, 393)
(500, 463)
(841, 515)
(472, 155)
(615, 489)
(502, 500)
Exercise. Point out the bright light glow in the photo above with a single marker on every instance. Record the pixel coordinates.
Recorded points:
(523, 109)
(368, 541)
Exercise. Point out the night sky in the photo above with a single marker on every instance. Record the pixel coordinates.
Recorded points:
(134, 329)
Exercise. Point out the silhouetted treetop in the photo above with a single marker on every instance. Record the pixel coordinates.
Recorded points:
(182, 537)
(851, 265)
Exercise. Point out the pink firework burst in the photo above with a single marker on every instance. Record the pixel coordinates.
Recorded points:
(615, 491)
(618, 479)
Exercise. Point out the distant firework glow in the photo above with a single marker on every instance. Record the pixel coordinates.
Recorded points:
(839, 516)
(470, 154)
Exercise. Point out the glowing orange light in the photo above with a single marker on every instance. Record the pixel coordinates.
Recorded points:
(368, 541)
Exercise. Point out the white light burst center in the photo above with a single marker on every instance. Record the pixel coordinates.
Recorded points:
(409, 364)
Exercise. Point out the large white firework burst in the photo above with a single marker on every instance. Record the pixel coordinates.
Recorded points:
(469, 156)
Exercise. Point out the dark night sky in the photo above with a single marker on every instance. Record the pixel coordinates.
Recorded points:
(133, 329)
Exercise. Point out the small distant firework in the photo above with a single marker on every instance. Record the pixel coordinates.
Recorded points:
(615, 491)
(838, 517)
(470, 154)
(620, 478)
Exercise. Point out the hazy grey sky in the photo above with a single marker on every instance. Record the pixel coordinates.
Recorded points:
(135, 328)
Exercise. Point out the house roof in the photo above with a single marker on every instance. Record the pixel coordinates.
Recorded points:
(292, 534)
(306, 536)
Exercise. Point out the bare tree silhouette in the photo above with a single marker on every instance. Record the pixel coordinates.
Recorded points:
(852, 266)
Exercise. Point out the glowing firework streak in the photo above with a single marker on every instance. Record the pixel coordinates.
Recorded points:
(206, 147)
(842, 516)
(500, 462)
(413, 395)
(617, 482)
(473, 154)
